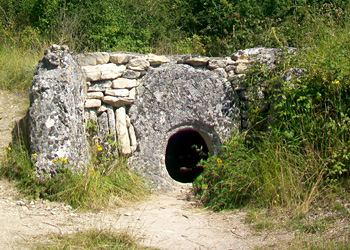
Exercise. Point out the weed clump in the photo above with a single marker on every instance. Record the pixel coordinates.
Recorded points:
(90, 239)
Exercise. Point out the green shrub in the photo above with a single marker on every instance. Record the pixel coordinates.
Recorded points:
(221, 27)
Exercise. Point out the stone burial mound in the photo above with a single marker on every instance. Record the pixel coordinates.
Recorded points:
(165, 112)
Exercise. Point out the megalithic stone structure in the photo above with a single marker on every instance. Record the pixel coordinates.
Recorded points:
(162, 111)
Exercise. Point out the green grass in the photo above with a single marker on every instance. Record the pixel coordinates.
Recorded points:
(295, 157)
(271, 174)
(17, 67)
(89, 239)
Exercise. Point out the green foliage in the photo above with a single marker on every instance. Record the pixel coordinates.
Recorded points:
(298, 140)
(91, 239)
(316, 107)
(220, 27)
(91, 187)
(267, 175)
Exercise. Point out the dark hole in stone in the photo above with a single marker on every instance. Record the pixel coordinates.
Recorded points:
(184, 150)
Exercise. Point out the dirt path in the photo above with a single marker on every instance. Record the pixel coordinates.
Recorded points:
(165, 221)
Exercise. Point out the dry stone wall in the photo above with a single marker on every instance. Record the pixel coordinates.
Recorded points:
(139, 101)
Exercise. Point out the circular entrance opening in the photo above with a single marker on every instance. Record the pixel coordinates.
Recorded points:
(184, 151)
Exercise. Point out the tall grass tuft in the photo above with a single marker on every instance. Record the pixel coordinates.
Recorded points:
(17, 65)
(271, 174)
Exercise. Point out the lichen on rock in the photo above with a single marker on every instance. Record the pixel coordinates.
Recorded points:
(56, 114)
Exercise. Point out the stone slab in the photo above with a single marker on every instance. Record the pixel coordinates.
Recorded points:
(117, 101)
(103, 72)
(122, 131)
(92, 58)
(94, 95)
(123, 83)
(92, 103)
(117, 92)
(138, 64)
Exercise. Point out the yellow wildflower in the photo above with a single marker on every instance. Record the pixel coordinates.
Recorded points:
(275, 201)
(93, 172)
(9, 148)
(218, 160)
(336, 82)
(35, 155)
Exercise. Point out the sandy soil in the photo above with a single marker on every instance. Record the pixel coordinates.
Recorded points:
(166, 221)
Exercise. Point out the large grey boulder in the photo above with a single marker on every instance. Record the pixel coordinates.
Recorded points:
(56, 113)
(173, 97)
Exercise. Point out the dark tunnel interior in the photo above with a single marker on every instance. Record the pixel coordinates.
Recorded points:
(184, 151)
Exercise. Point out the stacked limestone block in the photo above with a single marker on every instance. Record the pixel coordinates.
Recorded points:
(112, 80)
